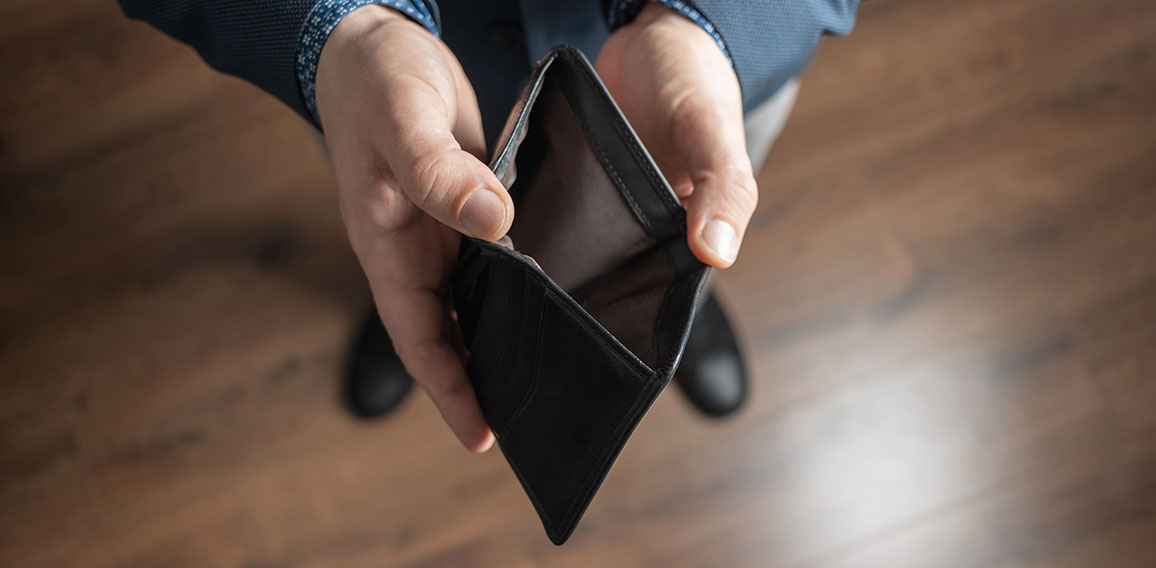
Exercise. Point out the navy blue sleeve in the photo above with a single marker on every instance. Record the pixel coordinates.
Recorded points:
(273, 44)
(768, 41)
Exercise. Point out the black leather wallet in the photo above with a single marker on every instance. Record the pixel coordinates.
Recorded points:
(577, 325)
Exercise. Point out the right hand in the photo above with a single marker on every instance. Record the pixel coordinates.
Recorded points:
(405, 138)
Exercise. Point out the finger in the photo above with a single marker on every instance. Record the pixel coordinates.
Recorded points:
(724, 192)
(437, 174)
(468, 129)
(718, 213)
(419, 325)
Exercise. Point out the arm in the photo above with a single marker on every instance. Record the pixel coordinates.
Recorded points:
(767, 43)
(683, 72)
(404, 136)
(274, 44)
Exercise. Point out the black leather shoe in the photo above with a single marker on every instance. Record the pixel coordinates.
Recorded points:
(375, 379)
(712, 372)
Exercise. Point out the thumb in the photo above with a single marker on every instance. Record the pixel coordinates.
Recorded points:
(724, 198)
(447, 182)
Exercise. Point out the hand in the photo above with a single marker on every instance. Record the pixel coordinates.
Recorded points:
(405, 138)
(679, 92)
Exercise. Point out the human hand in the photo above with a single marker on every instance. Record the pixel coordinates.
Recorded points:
(405, 138)
(679, 92)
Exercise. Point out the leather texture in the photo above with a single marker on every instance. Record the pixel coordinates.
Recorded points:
(578, 320)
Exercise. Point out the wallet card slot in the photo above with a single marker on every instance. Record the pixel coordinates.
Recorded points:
(576, 223)
(497, 348)
(594, 211)
(591, 407)
(524, 344)
(615, 142)
(577, 326)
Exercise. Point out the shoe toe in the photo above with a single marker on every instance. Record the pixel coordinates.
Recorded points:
(712, 374)
(718, 387)
(376, 381)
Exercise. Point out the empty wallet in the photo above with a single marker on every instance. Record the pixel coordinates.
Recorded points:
(575, 323)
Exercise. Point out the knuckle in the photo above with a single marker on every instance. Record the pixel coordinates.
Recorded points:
(431, 89)
(426, 170)
(733, 185)
(445, 389)
(738, 184)
(386, 210)
(391, 214)
(745, 191)
(695, 114)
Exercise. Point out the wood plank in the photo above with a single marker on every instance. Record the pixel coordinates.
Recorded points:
(948, 296)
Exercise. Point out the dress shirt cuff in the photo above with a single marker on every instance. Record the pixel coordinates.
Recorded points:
(325, 16)
(623, 12)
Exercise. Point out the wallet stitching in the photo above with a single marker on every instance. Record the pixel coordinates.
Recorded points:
(600, 333)
(650, 386)
(638, 213)
(600, 466)
(639, 155)
(583, 317)
(614, 175)
(554, 528)
(657, 182)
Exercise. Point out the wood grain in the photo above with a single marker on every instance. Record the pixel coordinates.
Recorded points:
(948, 295)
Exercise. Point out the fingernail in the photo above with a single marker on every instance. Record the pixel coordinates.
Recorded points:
(722, 240)
(483, 213)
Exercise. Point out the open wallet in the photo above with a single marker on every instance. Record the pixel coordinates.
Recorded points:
(576, 321)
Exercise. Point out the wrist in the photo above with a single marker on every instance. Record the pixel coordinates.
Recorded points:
(654, 12)
(356, 19)
(367, 18)
(364, 21)
(356, 32)
(660, 13)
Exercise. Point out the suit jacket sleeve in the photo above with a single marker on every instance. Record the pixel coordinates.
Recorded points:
(274, 44)
(766, 41)
(771, 41)
(253, 39)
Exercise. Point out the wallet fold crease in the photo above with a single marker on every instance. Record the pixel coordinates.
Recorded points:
(576, 329)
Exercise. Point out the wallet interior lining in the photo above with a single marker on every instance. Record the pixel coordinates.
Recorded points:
(574, 222)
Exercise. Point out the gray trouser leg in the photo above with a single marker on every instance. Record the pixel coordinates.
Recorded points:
(766, 121)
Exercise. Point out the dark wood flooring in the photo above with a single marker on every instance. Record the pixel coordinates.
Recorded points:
(948, 295)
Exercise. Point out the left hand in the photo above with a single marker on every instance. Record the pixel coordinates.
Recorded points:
(679, 92)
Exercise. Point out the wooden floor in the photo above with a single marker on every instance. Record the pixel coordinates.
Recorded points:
(948, 295)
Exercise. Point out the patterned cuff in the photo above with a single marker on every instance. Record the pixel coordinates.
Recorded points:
(324, 17)
(623, 12)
